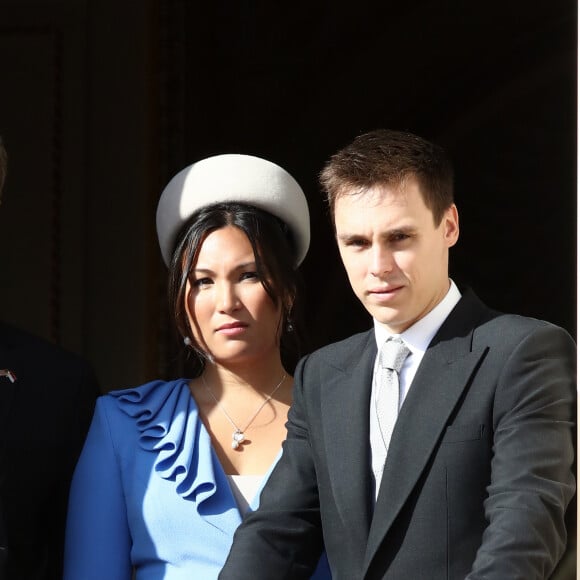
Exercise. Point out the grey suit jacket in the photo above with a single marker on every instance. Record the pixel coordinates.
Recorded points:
(478, 475)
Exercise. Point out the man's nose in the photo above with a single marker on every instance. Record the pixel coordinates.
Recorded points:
(382, 260)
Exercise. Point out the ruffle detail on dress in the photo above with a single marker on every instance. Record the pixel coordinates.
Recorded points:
(168, 421)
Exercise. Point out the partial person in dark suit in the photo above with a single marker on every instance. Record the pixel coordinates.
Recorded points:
(47, 397)
(475, 479)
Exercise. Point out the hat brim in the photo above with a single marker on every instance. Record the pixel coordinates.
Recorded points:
(233, 178)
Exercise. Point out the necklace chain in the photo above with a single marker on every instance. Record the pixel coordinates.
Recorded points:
(238, 436)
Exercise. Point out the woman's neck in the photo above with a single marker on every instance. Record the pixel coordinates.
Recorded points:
(261, 377)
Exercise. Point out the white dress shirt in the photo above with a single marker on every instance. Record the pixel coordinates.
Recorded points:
(417, 338)
(244, 489)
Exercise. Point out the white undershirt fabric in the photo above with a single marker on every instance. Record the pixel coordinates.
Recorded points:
(417, 338)
(244, 488)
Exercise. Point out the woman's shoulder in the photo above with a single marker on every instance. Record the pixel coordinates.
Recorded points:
(159, 423)
(145, 388)
(145, 401)
(145, 394)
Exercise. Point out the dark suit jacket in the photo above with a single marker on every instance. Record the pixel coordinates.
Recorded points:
(478, 474)
(44, 417)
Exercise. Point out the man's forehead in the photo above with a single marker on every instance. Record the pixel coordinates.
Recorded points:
(374, 196)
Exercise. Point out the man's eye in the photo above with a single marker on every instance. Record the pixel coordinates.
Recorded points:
(357, 243)
(400, 237)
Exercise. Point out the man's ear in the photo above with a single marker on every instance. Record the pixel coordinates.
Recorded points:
(451, 225)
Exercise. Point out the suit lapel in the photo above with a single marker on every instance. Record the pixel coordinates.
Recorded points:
(345, 404)
(443, 375)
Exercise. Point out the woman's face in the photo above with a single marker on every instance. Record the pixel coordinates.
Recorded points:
(230, 313)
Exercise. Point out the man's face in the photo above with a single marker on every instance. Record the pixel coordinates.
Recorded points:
(395, 257)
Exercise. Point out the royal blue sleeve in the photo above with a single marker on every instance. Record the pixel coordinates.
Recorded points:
(98, 540)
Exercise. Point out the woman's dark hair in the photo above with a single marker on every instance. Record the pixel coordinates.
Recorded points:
(275, 255)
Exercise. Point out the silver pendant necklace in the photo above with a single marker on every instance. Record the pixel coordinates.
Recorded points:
(238, 436)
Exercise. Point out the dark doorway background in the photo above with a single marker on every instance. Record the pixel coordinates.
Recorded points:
(494, 83)
(102, 101)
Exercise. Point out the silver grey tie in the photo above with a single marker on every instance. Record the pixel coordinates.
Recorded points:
(393, 355)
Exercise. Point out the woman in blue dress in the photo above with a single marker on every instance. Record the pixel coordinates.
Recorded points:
(170, 467)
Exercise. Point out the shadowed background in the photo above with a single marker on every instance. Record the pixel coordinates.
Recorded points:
(101, 102)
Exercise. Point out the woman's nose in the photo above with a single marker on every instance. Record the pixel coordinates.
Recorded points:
(228, 299)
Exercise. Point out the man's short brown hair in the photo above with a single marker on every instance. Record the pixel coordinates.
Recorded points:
(385, 157)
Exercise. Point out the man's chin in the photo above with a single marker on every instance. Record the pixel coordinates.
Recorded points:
(391, 323)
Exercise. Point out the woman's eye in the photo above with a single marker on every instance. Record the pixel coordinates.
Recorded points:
(249, 276)
(199, 282)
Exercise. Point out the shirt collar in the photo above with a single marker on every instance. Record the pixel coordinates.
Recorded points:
(418, 336)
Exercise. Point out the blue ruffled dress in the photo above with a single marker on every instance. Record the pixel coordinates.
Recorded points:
(149, 492)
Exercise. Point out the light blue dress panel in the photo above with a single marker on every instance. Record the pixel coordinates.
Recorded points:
(148, 492)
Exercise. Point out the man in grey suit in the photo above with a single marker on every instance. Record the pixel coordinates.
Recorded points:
(471, 475)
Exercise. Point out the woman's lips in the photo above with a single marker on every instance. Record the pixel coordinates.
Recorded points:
(232, 328)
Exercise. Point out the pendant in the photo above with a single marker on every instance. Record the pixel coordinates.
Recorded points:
(237, 438)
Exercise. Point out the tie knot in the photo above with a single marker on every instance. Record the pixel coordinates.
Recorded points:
(393, 354)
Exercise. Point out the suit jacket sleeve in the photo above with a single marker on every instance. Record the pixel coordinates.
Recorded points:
(83, 393)
(284, 535)
(531, 477)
